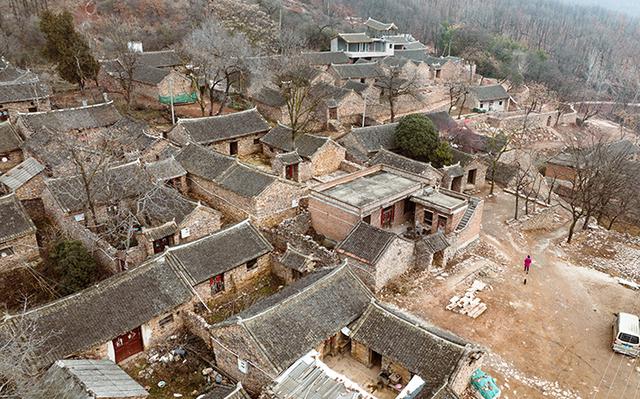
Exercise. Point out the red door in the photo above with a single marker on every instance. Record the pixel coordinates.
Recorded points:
(386, 217)
(128, 344)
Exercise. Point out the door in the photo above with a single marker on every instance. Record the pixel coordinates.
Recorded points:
(233, 148)
(333, 113)
(386, 218)
(291, 172)
(161, 244)
(217, 284)
(128, 344)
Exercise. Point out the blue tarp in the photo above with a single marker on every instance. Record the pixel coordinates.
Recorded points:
(485, 385)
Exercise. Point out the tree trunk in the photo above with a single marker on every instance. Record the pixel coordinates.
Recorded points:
(392, 108)
(517, 203)
(493, 178)
(586, 220)
(212, 94)
(224, 99)
(611, 222)
(464, 100)
(572, 228)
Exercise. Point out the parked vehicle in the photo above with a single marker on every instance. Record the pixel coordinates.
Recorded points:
(626, 334)
(484, 386)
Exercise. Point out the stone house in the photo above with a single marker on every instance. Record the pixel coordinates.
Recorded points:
(332, 314)
(324, 59)
(385, 157)
(90, 379)
(402, 344)
(303, 158)
(365, 72)
(364, 142)
(379, 195)
(443, 69)
(377, 256)
(10, 151)
(232, 134)
(224, 263)
(169, 172)
(259, 343)
(466, 175)
(237, 190)
(18, 244)
(417, 72)
(270, 103)
(26, 180)
(488, 98)
(115, 319)
(293, 265)
(561, 167)
(20, 91)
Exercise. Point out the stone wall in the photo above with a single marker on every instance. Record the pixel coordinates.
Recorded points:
(328, 159)
(397, 259)
(237, 280)
(471, 233)
(201, 222)
(25, 249)
(472, 361)
(10, 159)
(23, 107)
(331, 221)
(516, 119)
(397, 368)
(360, 352)
(560, 172)
(247, 145)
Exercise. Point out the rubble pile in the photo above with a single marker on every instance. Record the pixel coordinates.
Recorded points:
(468, 304)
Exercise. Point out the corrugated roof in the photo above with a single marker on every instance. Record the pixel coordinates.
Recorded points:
(95, 378)
(219, 252)
(17, 176)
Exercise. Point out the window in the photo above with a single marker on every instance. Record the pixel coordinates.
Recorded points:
(428, 218)
(165, 321)
(632, 339)
(500, 103)
(6, 252)
(333, 113)
(252, 264)
(471, 177)
(442, 222)
(243, 366)
(481, 105)
(256, 140)
(367, 219)
(291, 172)
(217, 284)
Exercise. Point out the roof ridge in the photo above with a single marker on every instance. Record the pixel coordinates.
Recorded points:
(67, 109)
(254, 108)
(210, 235)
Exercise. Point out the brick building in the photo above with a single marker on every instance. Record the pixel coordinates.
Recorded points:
(232, 134)
(10, 151)
(237, 190)
(20, 91)
(115, 319)
(467, 174)
(18, 244)
(488, 98)
(223, 263)
(365, 72)
(303, 158)
(293, 264)
(385, 157)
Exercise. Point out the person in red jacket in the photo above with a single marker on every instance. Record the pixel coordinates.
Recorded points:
(527, 263)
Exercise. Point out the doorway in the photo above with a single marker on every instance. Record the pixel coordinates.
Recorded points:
(376, 359)
(386, 217)
(291, 172)
(233, 148)
(456, 184)
(161, 244)
(128, 344)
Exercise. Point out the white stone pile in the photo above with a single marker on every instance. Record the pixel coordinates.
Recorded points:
(468, 304)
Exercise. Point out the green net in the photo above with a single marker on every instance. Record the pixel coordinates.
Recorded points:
(184, 98)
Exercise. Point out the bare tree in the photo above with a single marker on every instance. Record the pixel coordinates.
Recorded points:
(522, 182)
(499, 142)
(21, 345)
(458, 91)
(219, 57)
(394, 86)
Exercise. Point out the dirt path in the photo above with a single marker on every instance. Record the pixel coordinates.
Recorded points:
(550, 337)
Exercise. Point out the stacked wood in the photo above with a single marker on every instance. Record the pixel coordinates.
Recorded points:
(468, 304)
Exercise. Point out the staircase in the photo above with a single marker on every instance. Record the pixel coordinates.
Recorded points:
(473, 203)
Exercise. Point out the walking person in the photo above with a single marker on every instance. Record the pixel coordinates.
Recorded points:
(527, 263)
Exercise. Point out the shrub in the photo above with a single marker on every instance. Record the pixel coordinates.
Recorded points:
(74, 264)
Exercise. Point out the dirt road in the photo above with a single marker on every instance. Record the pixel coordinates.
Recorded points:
(548, 338)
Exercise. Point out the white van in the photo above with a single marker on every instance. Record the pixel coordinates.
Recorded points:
(626, 334)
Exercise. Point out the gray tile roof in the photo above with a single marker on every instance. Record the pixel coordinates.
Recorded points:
(203, 162)
(401, 162)
(226, 392)
(294, 259)
(427, 351)
(488, 93)
(304, 314)
(355, 37)
(380, 26)
(159, 59)
(415, 46)
(100, 313)
(18, 92)
(435, 242)
(212, 129)
(108, 185)
(462, 157)
(163, 204)
(366, 242)
(454, 170)
(15, 220)
(289, 158)
(165, 169)
(9, 139)
(219, 252)
(89, 117)
(372, 138)
(358, 71)
(246, 181)
(281, 137)
(90, 379)
(325, 58)
(356, 86)
(149, 75)
(17, 176)
(270, 97)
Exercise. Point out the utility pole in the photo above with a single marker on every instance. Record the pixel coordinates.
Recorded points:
(173, 114)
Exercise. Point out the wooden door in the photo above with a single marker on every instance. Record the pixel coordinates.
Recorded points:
(386, 217)
(161, 244)
(128, 344)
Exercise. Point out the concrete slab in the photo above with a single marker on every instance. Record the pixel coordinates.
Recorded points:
(372, 188)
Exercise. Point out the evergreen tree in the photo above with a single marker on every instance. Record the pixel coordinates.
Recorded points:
(418, 138)
(74, 264)
(67, 48)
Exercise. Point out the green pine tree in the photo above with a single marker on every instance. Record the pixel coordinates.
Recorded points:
(74, 264)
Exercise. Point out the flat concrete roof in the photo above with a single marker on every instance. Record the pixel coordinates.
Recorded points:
(440, 199)
(369, 189)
